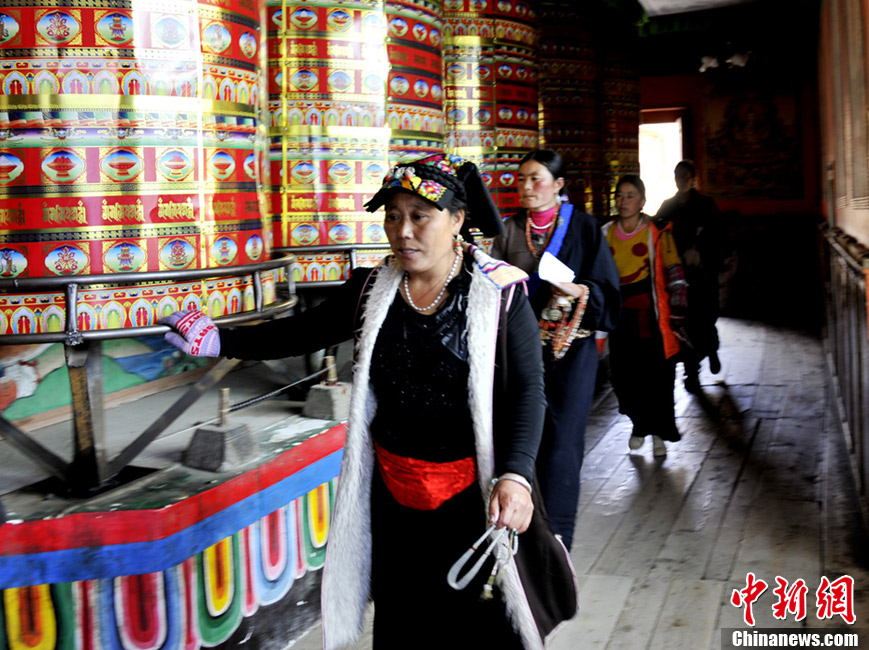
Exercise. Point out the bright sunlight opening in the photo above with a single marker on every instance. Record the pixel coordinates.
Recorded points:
(660, 150)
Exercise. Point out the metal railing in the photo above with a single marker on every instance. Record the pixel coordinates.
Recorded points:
(69, 286)
(90, 467)
(848, 342)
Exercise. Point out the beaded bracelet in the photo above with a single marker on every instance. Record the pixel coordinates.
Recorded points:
(516, 478)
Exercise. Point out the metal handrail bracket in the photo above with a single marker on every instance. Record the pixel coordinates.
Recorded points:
(89, 468)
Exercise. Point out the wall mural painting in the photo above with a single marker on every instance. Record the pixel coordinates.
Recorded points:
(752, 147)
(202, 602)
(34, 378)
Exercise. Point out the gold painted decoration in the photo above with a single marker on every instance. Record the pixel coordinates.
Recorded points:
(116, 307)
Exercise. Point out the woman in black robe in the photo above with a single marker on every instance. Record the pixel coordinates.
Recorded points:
(547, 224)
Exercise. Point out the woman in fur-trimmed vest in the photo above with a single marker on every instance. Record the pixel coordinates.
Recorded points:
(425, 467)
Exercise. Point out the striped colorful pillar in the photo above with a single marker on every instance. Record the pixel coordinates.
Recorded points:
(414, 105)
(329, 139)
(130, 141)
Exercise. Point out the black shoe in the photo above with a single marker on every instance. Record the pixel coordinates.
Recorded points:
(692, 384)
(714, 363)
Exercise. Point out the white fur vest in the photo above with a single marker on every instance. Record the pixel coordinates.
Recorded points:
(347, 573)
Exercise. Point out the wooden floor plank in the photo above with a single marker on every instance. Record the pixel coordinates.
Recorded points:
(731, 532)
(689, 615)
(793, 470)
(602, 599)
(687, 549)
(642, 531)
(781, 538)
(639, 618)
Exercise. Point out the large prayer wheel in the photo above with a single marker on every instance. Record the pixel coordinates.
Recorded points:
(570, 112)
(621, 117)
(329, 140)
(131, 141)
(589, 99)
(415, 88)
(491, 88)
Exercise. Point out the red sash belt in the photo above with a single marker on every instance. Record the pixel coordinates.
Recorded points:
(421, 484)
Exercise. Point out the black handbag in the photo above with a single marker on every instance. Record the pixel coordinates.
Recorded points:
(543, 562)
(546, 572)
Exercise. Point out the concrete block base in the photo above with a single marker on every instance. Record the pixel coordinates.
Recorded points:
(328, 402)
(221, 448)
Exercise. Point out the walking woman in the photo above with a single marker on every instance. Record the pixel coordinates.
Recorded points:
(643, 346)
(423, 451)
(590, 302)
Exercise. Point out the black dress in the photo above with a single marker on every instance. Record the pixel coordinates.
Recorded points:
(422, 413)
(699, 239)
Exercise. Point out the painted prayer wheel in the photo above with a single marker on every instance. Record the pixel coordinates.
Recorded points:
(490, 81)
(589, 98)
(516, 95)
(620, 109)
(570, 113)
(328, 136)
(131, 141)
(414, 105)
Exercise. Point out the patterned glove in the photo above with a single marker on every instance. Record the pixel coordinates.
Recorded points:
(198, 333)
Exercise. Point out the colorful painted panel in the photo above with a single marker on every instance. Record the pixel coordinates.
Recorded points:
(34, 378)
(198, 603)
(185, 574)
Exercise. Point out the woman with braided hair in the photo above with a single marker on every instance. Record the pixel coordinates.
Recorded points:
(423, 449)
(654, 298)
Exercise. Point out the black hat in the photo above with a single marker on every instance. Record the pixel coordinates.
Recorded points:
(443, 179)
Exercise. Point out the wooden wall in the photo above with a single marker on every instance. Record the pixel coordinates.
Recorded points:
(844, 94)
(844, 99)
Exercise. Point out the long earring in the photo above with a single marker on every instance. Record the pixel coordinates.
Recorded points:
(458, 240)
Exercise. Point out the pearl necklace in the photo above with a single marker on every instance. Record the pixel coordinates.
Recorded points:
(439, 296)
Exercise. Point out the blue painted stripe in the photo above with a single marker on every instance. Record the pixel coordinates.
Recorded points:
(94, 562)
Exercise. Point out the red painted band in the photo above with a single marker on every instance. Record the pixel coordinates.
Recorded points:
(129, 526)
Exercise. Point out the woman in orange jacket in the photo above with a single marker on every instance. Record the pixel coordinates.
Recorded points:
(645, 342)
